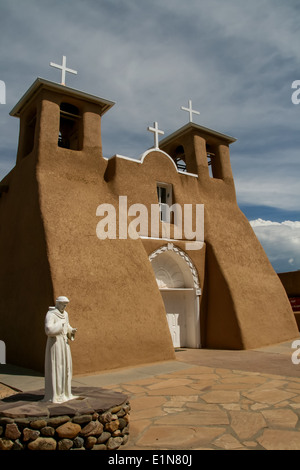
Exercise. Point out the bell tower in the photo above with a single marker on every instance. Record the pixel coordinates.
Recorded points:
(53, 116)
(59, 167)
(199, 150)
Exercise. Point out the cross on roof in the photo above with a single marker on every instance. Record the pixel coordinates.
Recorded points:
(64, 69)
(155, 131)
(190, 110)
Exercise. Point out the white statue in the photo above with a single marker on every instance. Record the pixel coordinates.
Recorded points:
(58, 359)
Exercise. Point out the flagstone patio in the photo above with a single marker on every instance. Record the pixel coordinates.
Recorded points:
(242, 405)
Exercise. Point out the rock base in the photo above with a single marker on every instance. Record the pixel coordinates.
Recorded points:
(97, 420)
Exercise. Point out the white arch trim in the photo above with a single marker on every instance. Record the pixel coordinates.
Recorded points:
(144, 155)
(185, 257)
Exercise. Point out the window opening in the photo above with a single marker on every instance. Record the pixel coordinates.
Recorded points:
(164, 195)
(179, 158)
(210, 155)
(68, 136)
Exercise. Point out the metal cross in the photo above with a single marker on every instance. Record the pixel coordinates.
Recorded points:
(155, 131)
(190, 110)
(63, 69)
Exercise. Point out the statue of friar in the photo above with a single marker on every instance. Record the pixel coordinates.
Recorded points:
(58, 359)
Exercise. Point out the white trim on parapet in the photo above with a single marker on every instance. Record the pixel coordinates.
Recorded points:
(144, 155)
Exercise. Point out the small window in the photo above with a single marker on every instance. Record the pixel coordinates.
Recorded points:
(69, 136)
(164, 195)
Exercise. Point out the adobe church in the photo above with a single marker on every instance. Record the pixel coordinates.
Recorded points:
(133, 300)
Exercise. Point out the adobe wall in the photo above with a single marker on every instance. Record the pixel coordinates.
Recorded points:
(253, 309)
(243, 303)
(114, 304)
(219, 326)
(238, 265)
(26, 286)
(114, 300)
(261, 306)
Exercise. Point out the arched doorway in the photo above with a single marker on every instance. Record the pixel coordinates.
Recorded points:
(178, 282)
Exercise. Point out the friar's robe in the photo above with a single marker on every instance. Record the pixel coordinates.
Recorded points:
(58, 359)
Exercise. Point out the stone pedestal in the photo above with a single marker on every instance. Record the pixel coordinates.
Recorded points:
(97, 420)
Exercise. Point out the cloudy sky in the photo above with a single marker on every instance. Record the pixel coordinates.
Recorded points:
(235, 59)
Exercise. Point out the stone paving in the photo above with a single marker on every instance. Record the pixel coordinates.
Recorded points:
(208, 407)
(218, 407)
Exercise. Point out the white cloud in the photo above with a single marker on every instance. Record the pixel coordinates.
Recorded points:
(281, 242)
(268, 223)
